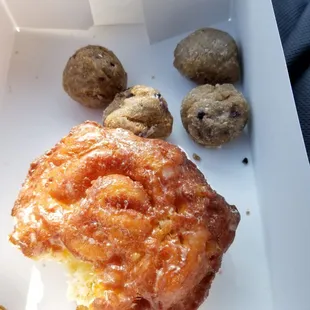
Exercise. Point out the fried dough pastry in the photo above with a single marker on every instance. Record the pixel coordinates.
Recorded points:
(133, 219)
(142, 110)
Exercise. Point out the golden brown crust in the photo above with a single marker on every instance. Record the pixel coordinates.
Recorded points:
(137, 209)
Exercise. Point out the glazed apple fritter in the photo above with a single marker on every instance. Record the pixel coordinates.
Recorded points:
(133, 219)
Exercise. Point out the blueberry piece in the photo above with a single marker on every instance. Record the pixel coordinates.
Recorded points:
(234, 113)
(201, 115)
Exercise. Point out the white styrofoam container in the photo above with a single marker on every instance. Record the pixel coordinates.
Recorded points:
(267, 268)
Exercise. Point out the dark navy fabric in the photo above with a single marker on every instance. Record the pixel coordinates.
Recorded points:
(293, 18)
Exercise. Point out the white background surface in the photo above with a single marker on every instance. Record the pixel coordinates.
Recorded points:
(60, 14)
(167, 18)
(107, 12)
(6, 45)
(280, 162)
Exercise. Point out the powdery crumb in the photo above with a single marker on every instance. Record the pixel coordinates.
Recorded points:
(153, 77)
(248, 212)
(196, 157)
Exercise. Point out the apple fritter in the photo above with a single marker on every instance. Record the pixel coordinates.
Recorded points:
(133, 220)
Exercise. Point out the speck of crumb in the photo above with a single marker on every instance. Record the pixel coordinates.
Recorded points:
(196, 157)
(245, 160)
(43, 265)
(153, 77)
(10, 89)
(94, 37)
(16, 52)
(248, 212)
(37, 77)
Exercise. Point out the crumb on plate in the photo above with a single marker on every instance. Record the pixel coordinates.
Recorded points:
(196, 157)
(245, 161)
